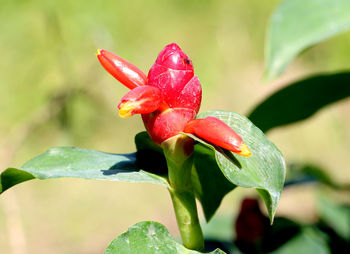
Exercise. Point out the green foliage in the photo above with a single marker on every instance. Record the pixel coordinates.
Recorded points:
(309, 240)
(81, 163)
(148, 237)
(219, 228)
(300, 100)
(264, 170)
(297, 25)
(13, 176)
(210, 185)
(306, 172)
(335, 216)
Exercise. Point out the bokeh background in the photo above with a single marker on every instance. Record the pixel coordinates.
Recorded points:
(53, 92)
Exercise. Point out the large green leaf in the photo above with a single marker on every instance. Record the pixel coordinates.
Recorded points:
(80, 163)
(300, 100)
(298, 24)
(148, 237)
(209, 184)
(264, 170)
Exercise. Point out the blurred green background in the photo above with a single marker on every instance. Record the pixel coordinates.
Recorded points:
(53, 92)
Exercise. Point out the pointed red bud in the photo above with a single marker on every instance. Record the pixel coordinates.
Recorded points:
(125, 72)
(218, 133)
(173, 57)
(140, 100)
(173, 74)
(251, 224)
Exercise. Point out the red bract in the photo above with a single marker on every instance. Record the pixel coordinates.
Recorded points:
(251, 226)
(169, 99)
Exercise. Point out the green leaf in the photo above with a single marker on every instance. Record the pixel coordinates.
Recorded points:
(150, 156)
(299, 173)
(282, 231)
(264, 170)
(219, 228)
(210, 185)
(302, 173)
(300, 100)
(144, 142)
(309, 240)
(79, 163)
(148, 237)
(297, 25)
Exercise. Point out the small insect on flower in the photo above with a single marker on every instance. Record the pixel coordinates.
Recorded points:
(169, 99)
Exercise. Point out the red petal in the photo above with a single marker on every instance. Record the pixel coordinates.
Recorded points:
(140, 100)
(125, 72)
(218, 133)
(162, 125)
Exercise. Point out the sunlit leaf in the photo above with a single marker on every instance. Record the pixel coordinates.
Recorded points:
(264, 170)
(300, 100)
(79, 163)
(297, 25)
(149, 237)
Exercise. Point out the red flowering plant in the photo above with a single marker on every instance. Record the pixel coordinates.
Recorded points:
(169, 99)
(195, 156)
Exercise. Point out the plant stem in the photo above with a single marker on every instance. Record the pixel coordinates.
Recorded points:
(178, 151)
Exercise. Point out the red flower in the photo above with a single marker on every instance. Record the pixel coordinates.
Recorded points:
(169, 99)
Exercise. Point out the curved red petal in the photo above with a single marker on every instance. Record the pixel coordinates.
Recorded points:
(125, 72)
(140, 100)
(218, 133)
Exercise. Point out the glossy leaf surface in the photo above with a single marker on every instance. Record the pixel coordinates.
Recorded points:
(80, 163)
(148, 237)
(264, 170)
(297, 25)
(300, 100)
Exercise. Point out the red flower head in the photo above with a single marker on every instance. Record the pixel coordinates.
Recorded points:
(169, 99)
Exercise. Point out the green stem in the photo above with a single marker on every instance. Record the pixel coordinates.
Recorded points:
(177, 151)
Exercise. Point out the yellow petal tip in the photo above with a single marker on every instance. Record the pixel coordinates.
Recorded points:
(98, 52)
(244, 150)
(126, 108)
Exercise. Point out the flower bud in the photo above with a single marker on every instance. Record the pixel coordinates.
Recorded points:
(218, 133)
(125, 72)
